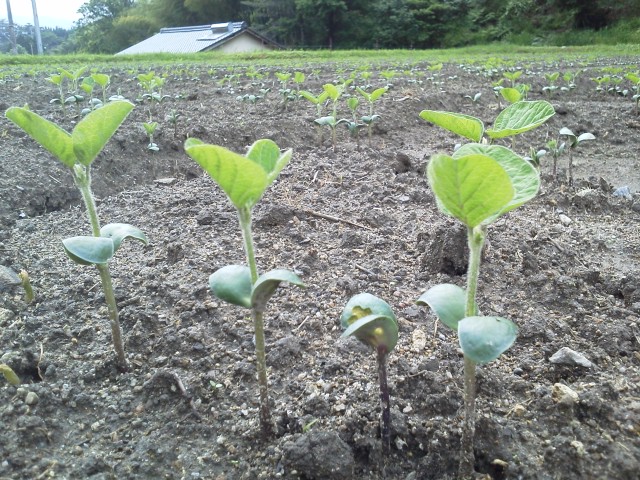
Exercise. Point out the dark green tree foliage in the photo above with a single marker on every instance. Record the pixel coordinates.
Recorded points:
(108, 26)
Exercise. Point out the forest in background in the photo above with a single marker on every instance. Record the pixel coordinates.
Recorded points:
(108, 26)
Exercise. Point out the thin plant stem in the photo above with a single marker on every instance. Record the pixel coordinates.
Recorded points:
(244, 217)
(82, 179)
(385, 403)
(476, 237)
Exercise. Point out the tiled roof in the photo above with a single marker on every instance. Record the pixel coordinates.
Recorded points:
(187, 39)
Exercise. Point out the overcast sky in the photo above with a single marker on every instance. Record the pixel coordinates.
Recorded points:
(51, 13)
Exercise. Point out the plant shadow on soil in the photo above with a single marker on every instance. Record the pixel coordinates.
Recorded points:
(564, 268)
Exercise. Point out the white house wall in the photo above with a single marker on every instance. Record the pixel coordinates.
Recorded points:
(242, 43)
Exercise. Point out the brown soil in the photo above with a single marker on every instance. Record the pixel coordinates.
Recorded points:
(360, 218)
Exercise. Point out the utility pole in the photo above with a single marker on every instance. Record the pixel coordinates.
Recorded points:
(12, 30)
(36, 25)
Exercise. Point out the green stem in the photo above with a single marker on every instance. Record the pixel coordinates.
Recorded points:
(82, 178)
(385, 402)
(476, 237)
(244, 217)
(114, 320)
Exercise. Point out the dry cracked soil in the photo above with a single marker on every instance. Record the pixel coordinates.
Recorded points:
(360, 218)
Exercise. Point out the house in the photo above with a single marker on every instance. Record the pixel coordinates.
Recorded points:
(231, 37)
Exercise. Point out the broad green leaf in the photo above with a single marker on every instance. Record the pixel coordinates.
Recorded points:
(364, 304)
(46, 133)
(448, 301)
(309, 96)
(267, 284)
(484, 339)
(374, 330)
(266, 153)
(117, 232)
(458, 123)
(232, 284)
(470, 188)
(525, 178)
(243, 180)
(94, 131)
(520, 117)
(376, 94)
(101, 79)
(511, 95)
(89, 250)
(332, 91)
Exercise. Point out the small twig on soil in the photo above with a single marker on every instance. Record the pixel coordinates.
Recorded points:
(40, 361)
(556, 244)
(362, 269)
(173, 377)
(335, 219)
(47, 470)
(301, 324)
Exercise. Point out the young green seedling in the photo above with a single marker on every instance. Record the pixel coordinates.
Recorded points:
(150, 129)
(551, 86)
(512, 76)
(372, 321)
(244, 179)
(573, 141)
(634, 78)
(77, 151)
(58, 80)
(371, 99)
(353, 125)
(476, 186)
(9, 375)
(103, 80)
(10, 279)
(319, 102)
(515, 119)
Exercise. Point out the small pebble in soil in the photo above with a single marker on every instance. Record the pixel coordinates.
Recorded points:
(566, 356)
(31, 398)
(563, 395)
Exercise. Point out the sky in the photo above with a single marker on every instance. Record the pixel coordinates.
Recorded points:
(51, 13)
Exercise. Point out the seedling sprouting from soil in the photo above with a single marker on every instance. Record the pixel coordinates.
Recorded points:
(244, 179)
(150, 130)
(559, 146)
(371, 99)
(476, 186)
(319, 102)
(372, 321)
(77, 151)
(9, 375)
(551, 86)
(10, 279)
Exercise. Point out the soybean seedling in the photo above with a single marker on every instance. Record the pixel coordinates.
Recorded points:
(77, 151)
(634, 78)
(551, 86)
(372, 321)
(571, 143)
(353, 125)
(476, 186)
(244, 179)
(334, 92)
(10, 279)
(371, 99)
(319, 102)
(515, 119)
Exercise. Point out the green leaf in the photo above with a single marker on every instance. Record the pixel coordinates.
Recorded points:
(117, 232)
(484, 339)
(89, 250)
(448, 301)
(376, 94)
(511, 95)
(332, 91)
(232, 284)
(9, 375)
(266, 153)
(94, 131)
(267, 284)
(326, 121)
(458, 123)
(525, 178)
(470, 188)
(520, 117)
(309, 96)
(101, 79)
(364, 304)
(46, 133)
(243, 180)
(374, 330)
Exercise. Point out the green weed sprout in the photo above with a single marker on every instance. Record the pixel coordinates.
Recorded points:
(371, 99)
(478, 184)
(372, 321)
(9, 375)
(244, 179)
(77, 151)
